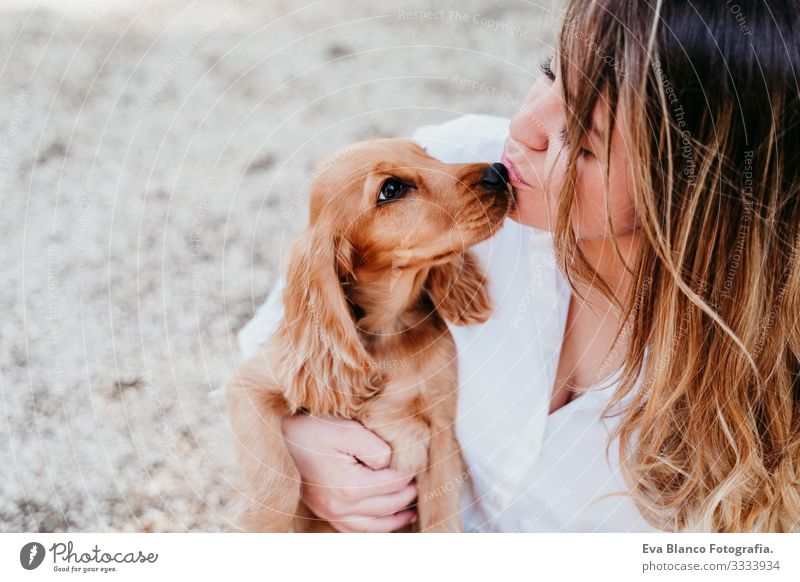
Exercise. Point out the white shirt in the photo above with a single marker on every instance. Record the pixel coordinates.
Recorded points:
(529, 471)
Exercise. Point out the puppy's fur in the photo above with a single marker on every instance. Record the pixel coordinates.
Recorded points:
(369, 285)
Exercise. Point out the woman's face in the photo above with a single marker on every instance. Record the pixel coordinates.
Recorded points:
(536, 169)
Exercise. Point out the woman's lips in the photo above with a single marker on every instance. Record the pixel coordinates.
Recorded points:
(513, 174)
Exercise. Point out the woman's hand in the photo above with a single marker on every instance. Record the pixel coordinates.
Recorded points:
(346, 476)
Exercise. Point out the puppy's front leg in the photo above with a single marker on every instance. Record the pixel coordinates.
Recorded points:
(438, 486)
(257, 410)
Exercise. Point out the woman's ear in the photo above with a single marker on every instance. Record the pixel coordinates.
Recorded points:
(459, 292)
(326, 366)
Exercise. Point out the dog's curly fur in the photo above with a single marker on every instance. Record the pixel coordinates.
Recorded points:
(370, 284)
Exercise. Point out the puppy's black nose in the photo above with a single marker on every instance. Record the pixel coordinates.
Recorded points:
(495, 176)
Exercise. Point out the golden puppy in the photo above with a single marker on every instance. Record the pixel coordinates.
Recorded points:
(382, 263)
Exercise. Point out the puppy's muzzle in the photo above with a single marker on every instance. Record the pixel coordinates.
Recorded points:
(495, 177)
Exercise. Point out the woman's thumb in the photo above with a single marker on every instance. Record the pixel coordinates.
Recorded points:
(369, 448)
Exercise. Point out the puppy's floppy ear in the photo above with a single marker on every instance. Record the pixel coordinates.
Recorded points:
(328, 370)
(458, 290)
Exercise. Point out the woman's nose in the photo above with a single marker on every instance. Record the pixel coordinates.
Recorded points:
(540, 117)
(528, 129)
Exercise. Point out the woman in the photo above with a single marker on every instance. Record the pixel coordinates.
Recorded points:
(642, 369)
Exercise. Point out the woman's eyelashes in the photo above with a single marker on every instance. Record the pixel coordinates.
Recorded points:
(565, 140)
(545, 68)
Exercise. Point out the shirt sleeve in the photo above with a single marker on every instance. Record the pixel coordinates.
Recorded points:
(465, 139)
(264, 323)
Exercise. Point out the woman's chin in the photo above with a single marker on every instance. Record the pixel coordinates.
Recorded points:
(527, 211)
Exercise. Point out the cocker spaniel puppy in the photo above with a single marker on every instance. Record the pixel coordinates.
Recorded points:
(382, 264)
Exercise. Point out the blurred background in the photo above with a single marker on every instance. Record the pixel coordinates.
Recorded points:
(154, 162)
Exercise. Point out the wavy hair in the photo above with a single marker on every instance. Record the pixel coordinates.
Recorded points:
(709, 430)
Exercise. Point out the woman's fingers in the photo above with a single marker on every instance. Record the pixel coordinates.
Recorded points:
(369, 483)
(366, 446)
(384, 505)
(345, 503)
(388, 523)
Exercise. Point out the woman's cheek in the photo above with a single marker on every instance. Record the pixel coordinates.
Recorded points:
(621, 200)
(590, 200)
(592, 210)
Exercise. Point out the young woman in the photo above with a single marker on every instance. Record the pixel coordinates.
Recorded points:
(641, 371)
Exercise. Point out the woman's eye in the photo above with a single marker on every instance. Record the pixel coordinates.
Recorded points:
(583, 152)
(545, 68)
(392, 189)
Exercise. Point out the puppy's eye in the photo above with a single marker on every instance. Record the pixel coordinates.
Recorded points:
(392, 189)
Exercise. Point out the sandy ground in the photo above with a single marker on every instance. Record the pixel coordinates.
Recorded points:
(153, 164)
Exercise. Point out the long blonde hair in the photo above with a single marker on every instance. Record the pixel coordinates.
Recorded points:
(709, 435)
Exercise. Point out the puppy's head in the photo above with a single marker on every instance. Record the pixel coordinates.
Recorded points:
(388, 220)
(389, 198)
